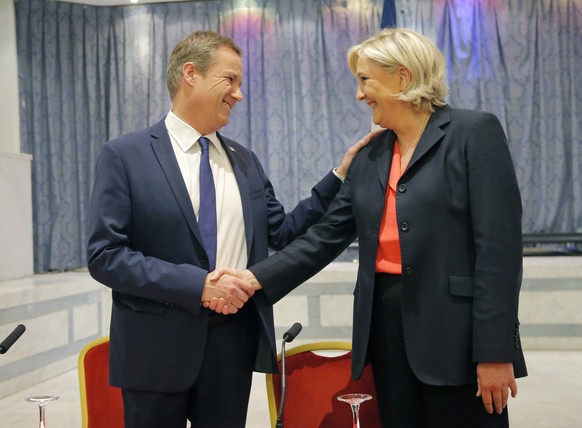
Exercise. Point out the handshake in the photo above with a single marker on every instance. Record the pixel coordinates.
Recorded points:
(227, 290)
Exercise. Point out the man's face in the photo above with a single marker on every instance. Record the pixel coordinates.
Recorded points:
(218, 91)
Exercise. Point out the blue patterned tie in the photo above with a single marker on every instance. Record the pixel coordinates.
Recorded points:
(207, 213)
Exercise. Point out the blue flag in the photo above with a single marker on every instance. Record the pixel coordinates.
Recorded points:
(389, 14)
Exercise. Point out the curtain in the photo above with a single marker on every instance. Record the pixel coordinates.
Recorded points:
(88, 74)
(520, 59)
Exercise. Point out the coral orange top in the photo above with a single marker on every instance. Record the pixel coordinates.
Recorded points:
(388, 258)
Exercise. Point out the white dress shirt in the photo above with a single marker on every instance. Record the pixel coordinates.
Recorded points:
(231, 240)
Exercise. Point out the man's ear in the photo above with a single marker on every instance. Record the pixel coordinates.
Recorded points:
(190, 73)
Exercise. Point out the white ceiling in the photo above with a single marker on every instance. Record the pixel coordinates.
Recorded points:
(120, 2)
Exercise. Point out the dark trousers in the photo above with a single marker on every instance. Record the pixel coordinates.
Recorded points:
(220, 395)
(404, 401)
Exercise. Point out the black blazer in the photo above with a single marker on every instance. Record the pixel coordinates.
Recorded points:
(459, 215)
(145, 245)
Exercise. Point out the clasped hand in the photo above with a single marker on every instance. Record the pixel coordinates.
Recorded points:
(227, 290)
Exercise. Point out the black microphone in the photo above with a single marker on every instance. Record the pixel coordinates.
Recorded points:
(288, 337)
(12, 337)
(292, 333)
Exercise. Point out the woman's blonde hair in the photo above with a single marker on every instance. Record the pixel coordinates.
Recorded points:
(392, 48)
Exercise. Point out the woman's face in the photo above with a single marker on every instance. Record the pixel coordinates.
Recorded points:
(378, 88)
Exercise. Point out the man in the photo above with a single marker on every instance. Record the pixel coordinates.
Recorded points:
(148, 242)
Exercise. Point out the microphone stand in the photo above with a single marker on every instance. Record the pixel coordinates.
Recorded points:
(287, 338)
(279, 423)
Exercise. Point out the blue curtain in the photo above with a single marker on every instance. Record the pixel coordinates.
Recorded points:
(520, 59)
(88, 74)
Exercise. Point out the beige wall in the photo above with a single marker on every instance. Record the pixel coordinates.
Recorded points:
(9, 117)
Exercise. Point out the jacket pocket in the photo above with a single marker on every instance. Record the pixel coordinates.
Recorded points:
(462, 286)
(137, 304)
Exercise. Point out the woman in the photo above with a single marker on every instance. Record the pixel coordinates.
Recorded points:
(435, 205)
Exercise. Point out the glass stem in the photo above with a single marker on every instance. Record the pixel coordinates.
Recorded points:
(42, 423)
(356, 415)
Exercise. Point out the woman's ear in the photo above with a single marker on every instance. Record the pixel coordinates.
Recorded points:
(404, 77)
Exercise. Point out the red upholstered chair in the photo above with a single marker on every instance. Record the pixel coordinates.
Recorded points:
(313, 382)
(101, 404)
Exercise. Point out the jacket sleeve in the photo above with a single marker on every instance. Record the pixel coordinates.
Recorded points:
(311, 252)
(284, 227)
(496, 211)
(113, 261)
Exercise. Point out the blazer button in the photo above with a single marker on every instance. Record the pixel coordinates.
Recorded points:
(404, 226)
(401, 188)
(408, 270)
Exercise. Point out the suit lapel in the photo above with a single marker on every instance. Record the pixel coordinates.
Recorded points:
(384, 148)
(431, 135)
(238, 166)
(382, 153)
(162, 146)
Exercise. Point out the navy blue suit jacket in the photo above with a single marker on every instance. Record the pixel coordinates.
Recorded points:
(145, 245)
(458, 209)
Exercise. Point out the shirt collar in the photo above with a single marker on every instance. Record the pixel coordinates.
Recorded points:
(186, 136)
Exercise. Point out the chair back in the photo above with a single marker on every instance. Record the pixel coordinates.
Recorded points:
(313, 383)
(101, 404)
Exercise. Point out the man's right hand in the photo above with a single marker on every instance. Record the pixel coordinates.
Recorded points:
(227, 293)
(218, 304)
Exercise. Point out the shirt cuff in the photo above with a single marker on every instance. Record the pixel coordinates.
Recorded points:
(342, 178)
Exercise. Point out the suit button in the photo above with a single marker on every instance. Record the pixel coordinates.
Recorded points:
(404, 226)
(408, 270)
(401, 188)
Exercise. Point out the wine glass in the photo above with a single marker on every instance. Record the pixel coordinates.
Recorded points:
(354, 400)
(41, 400)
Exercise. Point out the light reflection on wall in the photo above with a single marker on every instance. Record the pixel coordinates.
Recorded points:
(136, 23)
(247, 18)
